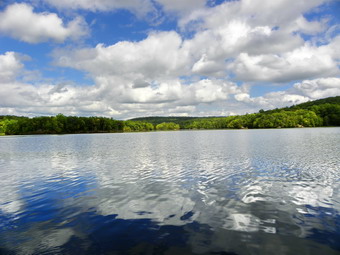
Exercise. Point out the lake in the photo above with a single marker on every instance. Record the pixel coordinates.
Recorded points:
(274, 191)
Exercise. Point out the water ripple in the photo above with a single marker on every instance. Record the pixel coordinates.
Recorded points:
(220, 192)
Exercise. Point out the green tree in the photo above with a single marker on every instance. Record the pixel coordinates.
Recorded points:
(167, 126)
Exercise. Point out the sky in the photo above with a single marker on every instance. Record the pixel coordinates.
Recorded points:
(134, 58)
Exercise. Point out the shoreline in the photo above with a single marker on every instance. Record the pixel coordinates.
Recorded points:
(158, 131)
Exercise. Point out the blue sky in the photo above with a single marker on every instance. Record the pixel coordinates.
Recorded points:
(133, 58)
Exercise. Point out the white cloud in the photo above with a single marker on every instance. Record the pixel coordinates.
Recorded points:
(334, 48)
(258, 12)
(21, 22)
(319, 88)
(257, 41)
(111, 95)
(304, 62)
(159, 55)
(208, 67)
(309, 27)
(181, 6)
(109, 101)
(10, 65)
(233, 38)
(118, 98)
(169, 73)
(140, 7)
(279, 12)
(263, 36)
(301, 92)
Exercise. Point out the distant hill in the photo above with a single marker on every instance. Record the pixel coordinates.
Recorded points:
(328, 109)
(323, 107)
(176, 119)
(308, 105)
(328, 100)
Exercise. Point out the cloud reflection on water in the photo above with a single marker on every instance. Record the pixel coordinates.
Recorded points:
(189, 192)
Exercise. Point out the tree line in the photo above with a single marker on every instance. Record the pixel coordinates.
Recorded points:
(324, 112)
(282, 119)
(60, 124)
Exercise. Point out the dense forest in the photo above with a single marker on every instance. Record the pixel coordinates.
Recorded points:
(323, 112)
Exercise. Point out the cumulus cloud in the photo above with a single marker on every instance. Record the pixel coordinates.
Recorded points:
(181, 6)
(10, 65)
(235, 39)
(301, 63)
(122, 103)
(232, 47)
(301, 92)
(111, 95)
(21, 22)
(318, 88)
(139, 7)
(258, 12)
(264, 38)
(122, 98)
(159, 55)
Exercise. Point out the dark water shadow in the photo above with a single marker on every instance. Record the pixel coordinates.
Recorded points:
(48, 225)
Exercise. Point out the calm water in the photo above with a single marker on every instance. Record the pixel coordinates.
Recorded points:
(188, 192)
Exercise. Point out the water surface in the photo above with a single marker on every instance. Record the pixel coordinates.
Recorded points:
(188, 192)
